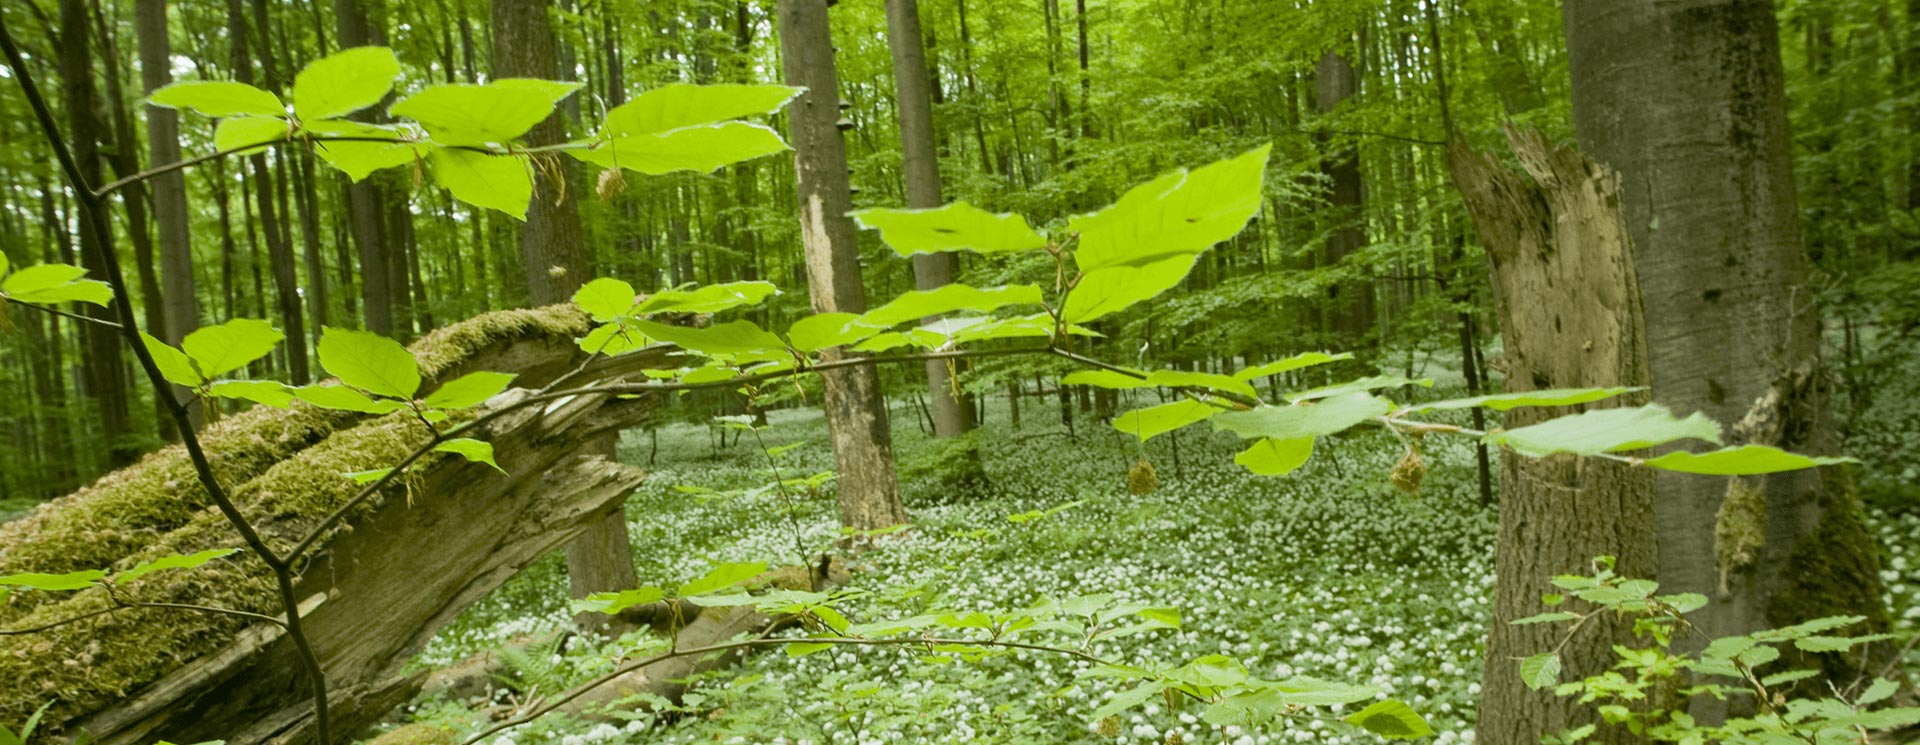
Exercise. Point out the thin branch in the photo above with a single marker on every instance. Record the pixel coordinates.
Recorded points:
(93, 207)
(64, 314)
(297, 138)
(121, 605)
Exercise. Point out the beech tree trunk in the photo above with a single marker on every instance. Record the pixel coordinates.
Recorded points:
(106, 378)
(856, 409)
(1687, 99)
(366, 200)
(920, 166)
(1351, 311)
(554, 251)
(1569, 307)
(182, 310)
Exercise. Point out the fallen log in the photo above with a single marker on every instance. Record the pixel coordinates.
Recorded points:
(376, 589)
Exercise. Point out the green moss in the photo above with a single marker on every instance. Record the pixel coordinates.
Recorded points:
(1834, 570)
(127, 511)
(417, 734)
(87, 665)
(1740, 528)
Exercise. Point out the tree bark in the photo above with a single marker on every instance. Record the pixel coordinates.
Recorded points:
(551, 244)
(920, 166)
(1352, 302)
(106, 377)
(1687, 99)
(1569, 308)
(366, 200)
(856, 409)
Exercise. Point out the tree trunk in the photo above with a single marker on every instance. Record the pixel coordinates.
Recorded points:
(856, 409)
(106, 379)
(1687, 99)
(182, 309)
(601, 558)
(366, 200)
(1352, 302)
(920, 166)
(1569, 309)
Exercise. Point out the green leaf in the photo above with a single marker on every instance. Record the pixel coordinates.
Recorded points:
(1158, 379)
(1823, 644)
(495, 112)
(368, 477)
(832, 618)
(1153, 421)
(176, 561)
(1742, 460)
(361, 159)
(1275, 457)
(173, 363)
(269, 392)
(4, 264)
(612, 339)
(53, 582)
(1685, 602)
(802, 649)
(370, 362)
(1329, 416)
(219, 98)
(708, 299)
(234, 133)
(475, 451)
(1308, 691)
(1554, 617)
(469, 390)
(722, 577)
(1128, 699)
(671, 107)
(342, 398)
(822, 330)
(344, 82)
(701, 149)
(1606, 431)
(1109, 291)
(1881, 690)
(1167, 617)
(1392, 720)
(739, 339)
(954, 227)
(1540, 670)
(1364, 384)
(614, 602)
(222, 349)
(605, 298)
(1290, 364)
(55, 283)
(918, 304)
(1508, 401)
(501, 182)
(1178, 214)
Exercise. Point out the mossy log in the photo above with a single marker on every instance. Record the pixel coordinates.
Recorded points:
(373, 591)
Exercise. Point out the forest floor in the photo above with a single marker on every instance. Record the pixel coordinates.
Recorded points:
(1330, 572)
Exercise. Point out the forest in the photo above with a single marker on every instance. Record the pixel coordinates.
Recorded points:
(509, 372)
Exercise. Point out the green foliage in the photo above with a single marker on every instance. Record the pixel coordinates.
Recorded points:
(52, 283)
(1741, 460)
(344, 82)
(469, 390)
(1607, 431)
(370, 362)
(498, 111)
(1158, 420)
(954, 227)
(917, 304)
(1633, 695)
(219, 98)
(672, 107)
(1510, 401)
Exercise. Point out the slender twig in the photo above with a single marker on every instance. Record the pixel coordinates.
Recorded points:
(63, 314)
(120, 605)
(130, 179)
(93, 207)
